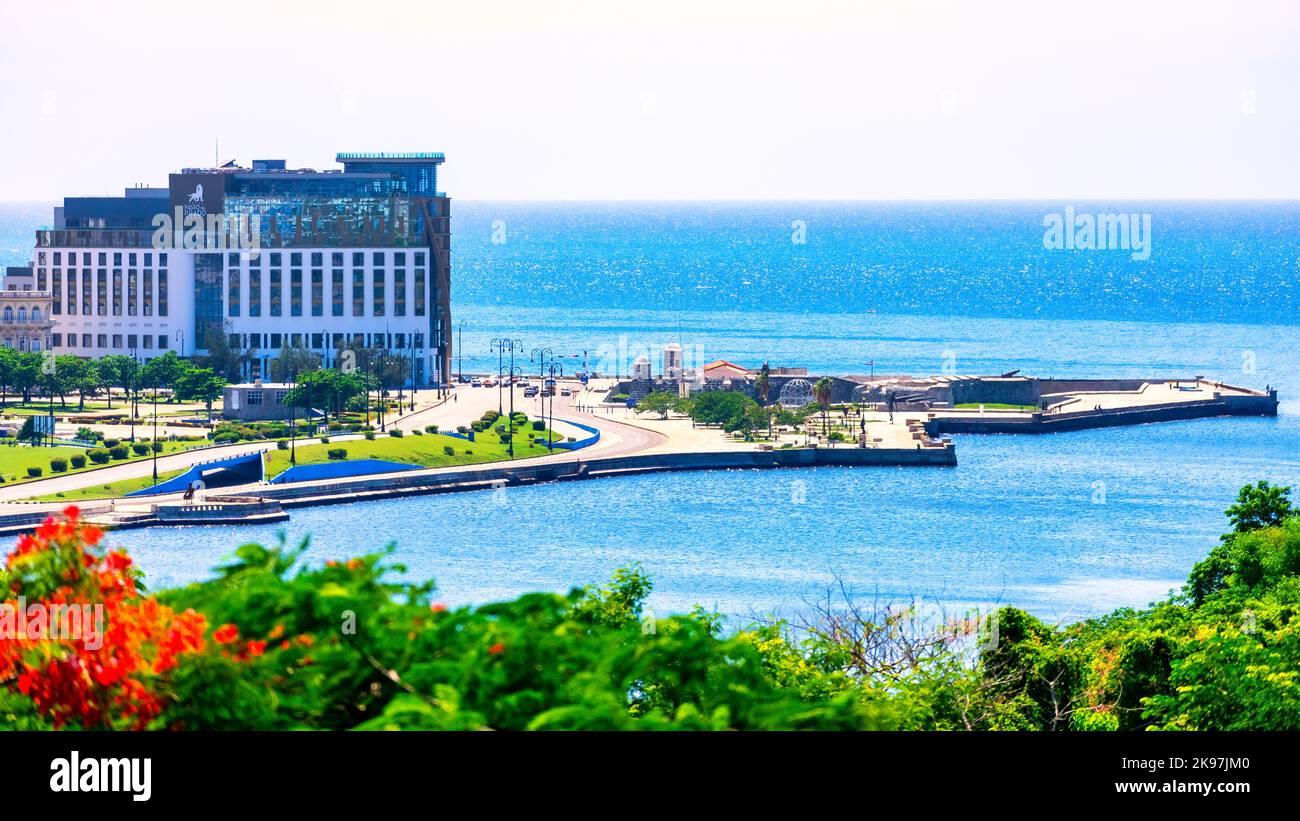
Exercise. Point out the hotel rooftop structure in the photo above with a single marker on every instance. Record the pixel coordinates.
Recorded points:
(269, 257)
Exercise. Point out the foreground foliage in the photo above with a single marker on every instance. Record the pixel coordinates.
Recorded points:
(274, 643)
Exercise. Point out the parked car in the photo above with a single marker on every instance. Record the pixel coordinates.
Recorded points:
(531, 390)
(566, 392)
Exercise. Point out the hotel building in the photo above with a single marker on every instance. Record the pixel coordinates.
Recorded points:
(267, 256)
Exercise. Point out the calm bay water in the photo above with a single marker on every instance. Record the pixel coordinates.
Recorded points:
(1066, 525)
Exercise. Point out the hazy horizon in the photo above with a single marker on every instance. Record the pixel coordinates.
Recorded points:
(727, 101)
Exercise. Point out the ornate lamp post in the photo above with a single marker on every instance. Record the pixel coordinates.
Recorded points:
(552, 370)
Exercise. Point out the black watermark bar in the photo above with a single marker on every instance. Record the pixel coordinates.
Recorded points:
(303, 770)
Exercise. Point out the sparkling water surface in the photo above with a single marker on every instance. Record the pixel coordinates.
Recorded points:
(1066, 525)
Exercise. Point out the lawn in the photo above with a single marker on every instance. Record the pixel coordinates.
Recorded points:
(16, 458)
(112, 490)
(426, 450)
(996, 406)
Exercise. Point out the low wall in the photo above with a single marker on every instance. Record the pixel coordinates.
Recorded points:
(1265, 405)
(475, 478)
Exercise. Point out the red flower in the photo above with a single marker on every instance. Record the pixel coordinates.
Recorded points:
(496, 649)
(437, 607)
(225, 634)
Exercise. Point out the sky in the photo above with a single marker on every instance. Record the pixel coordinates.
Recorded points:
(667, 100)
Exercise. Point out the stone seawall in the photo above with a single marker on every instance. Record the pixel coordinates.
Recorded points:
(393, 485)
(1265, 405)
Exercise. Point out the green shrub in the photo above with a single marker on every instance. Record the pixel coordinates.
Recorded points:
(538, 424)
(156, 447)
(34, 471)
(140, 448)
(505, 438)
(118, 451)
(430, 428)
(461, 429)
(395, 433)
(78, 461)
(111, 443)
(449, 450)
(98, 455)
(337, 453)
(281, 444)
(416, 432)
(370, 435)
(58, 464)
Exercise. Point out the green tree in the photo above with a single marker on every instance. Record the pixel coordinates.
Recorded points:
(119, 371)
(165, 371)
(660, 402)
(1260, 505)
(200, 385)
(292, 362)
(822, 394)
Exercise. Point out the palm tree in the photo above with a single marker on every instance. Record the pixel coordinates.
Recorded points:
(822, 392)
(763, 386)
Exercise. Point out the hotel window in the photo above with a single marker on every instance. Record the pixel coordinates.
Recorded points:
(148, 342)
(295, 340)
(85, 341)
(419, 290)
(255, 292)
(117, 258)
(117, 340)
(401, 341)
(279, 397)
(57, 341)
(85, 260)
(317, 341)
(162, 289)
(132, 292)
(148, 291)
(56, 292)
(419, 342)
(254, 341)
(72, 291)
(317, 291)
(377, 309)
(40, 279)
(358, 291)
(130, 260)
(162, 342)
(336, 291)
(101, 340)
(399, 290)
(253, 397)
(295, 291)
(277, 341)
(232, 291)
(275, 289)
(101, 292)
(117, 290)
(132, 342)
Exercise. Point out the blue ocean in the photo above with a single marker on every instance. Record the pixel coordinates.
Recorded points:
(1066, 525)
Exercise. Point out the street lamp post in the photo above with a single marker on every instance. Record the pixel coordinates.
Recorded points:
(510, 446)
(460, 346)
(501, 345)
(293, 414)
(153, 445)
(550, 427)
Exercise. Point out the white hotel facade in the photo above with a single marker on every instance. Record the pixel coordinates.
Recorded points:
(339, 260)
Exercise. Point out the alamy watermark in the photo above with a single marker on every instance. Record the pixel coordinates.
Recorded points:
(1084, 231)
(52, 622)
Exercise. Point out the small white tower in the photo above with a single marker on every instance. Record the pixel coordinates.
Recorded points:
(641, 367)
(672, 361)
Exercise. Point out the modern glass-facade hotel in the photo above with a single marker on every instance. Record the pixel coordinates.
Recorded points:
(269, 257)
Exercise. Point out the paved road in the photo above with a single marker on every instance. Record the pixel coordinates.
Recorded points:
(617, 439)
